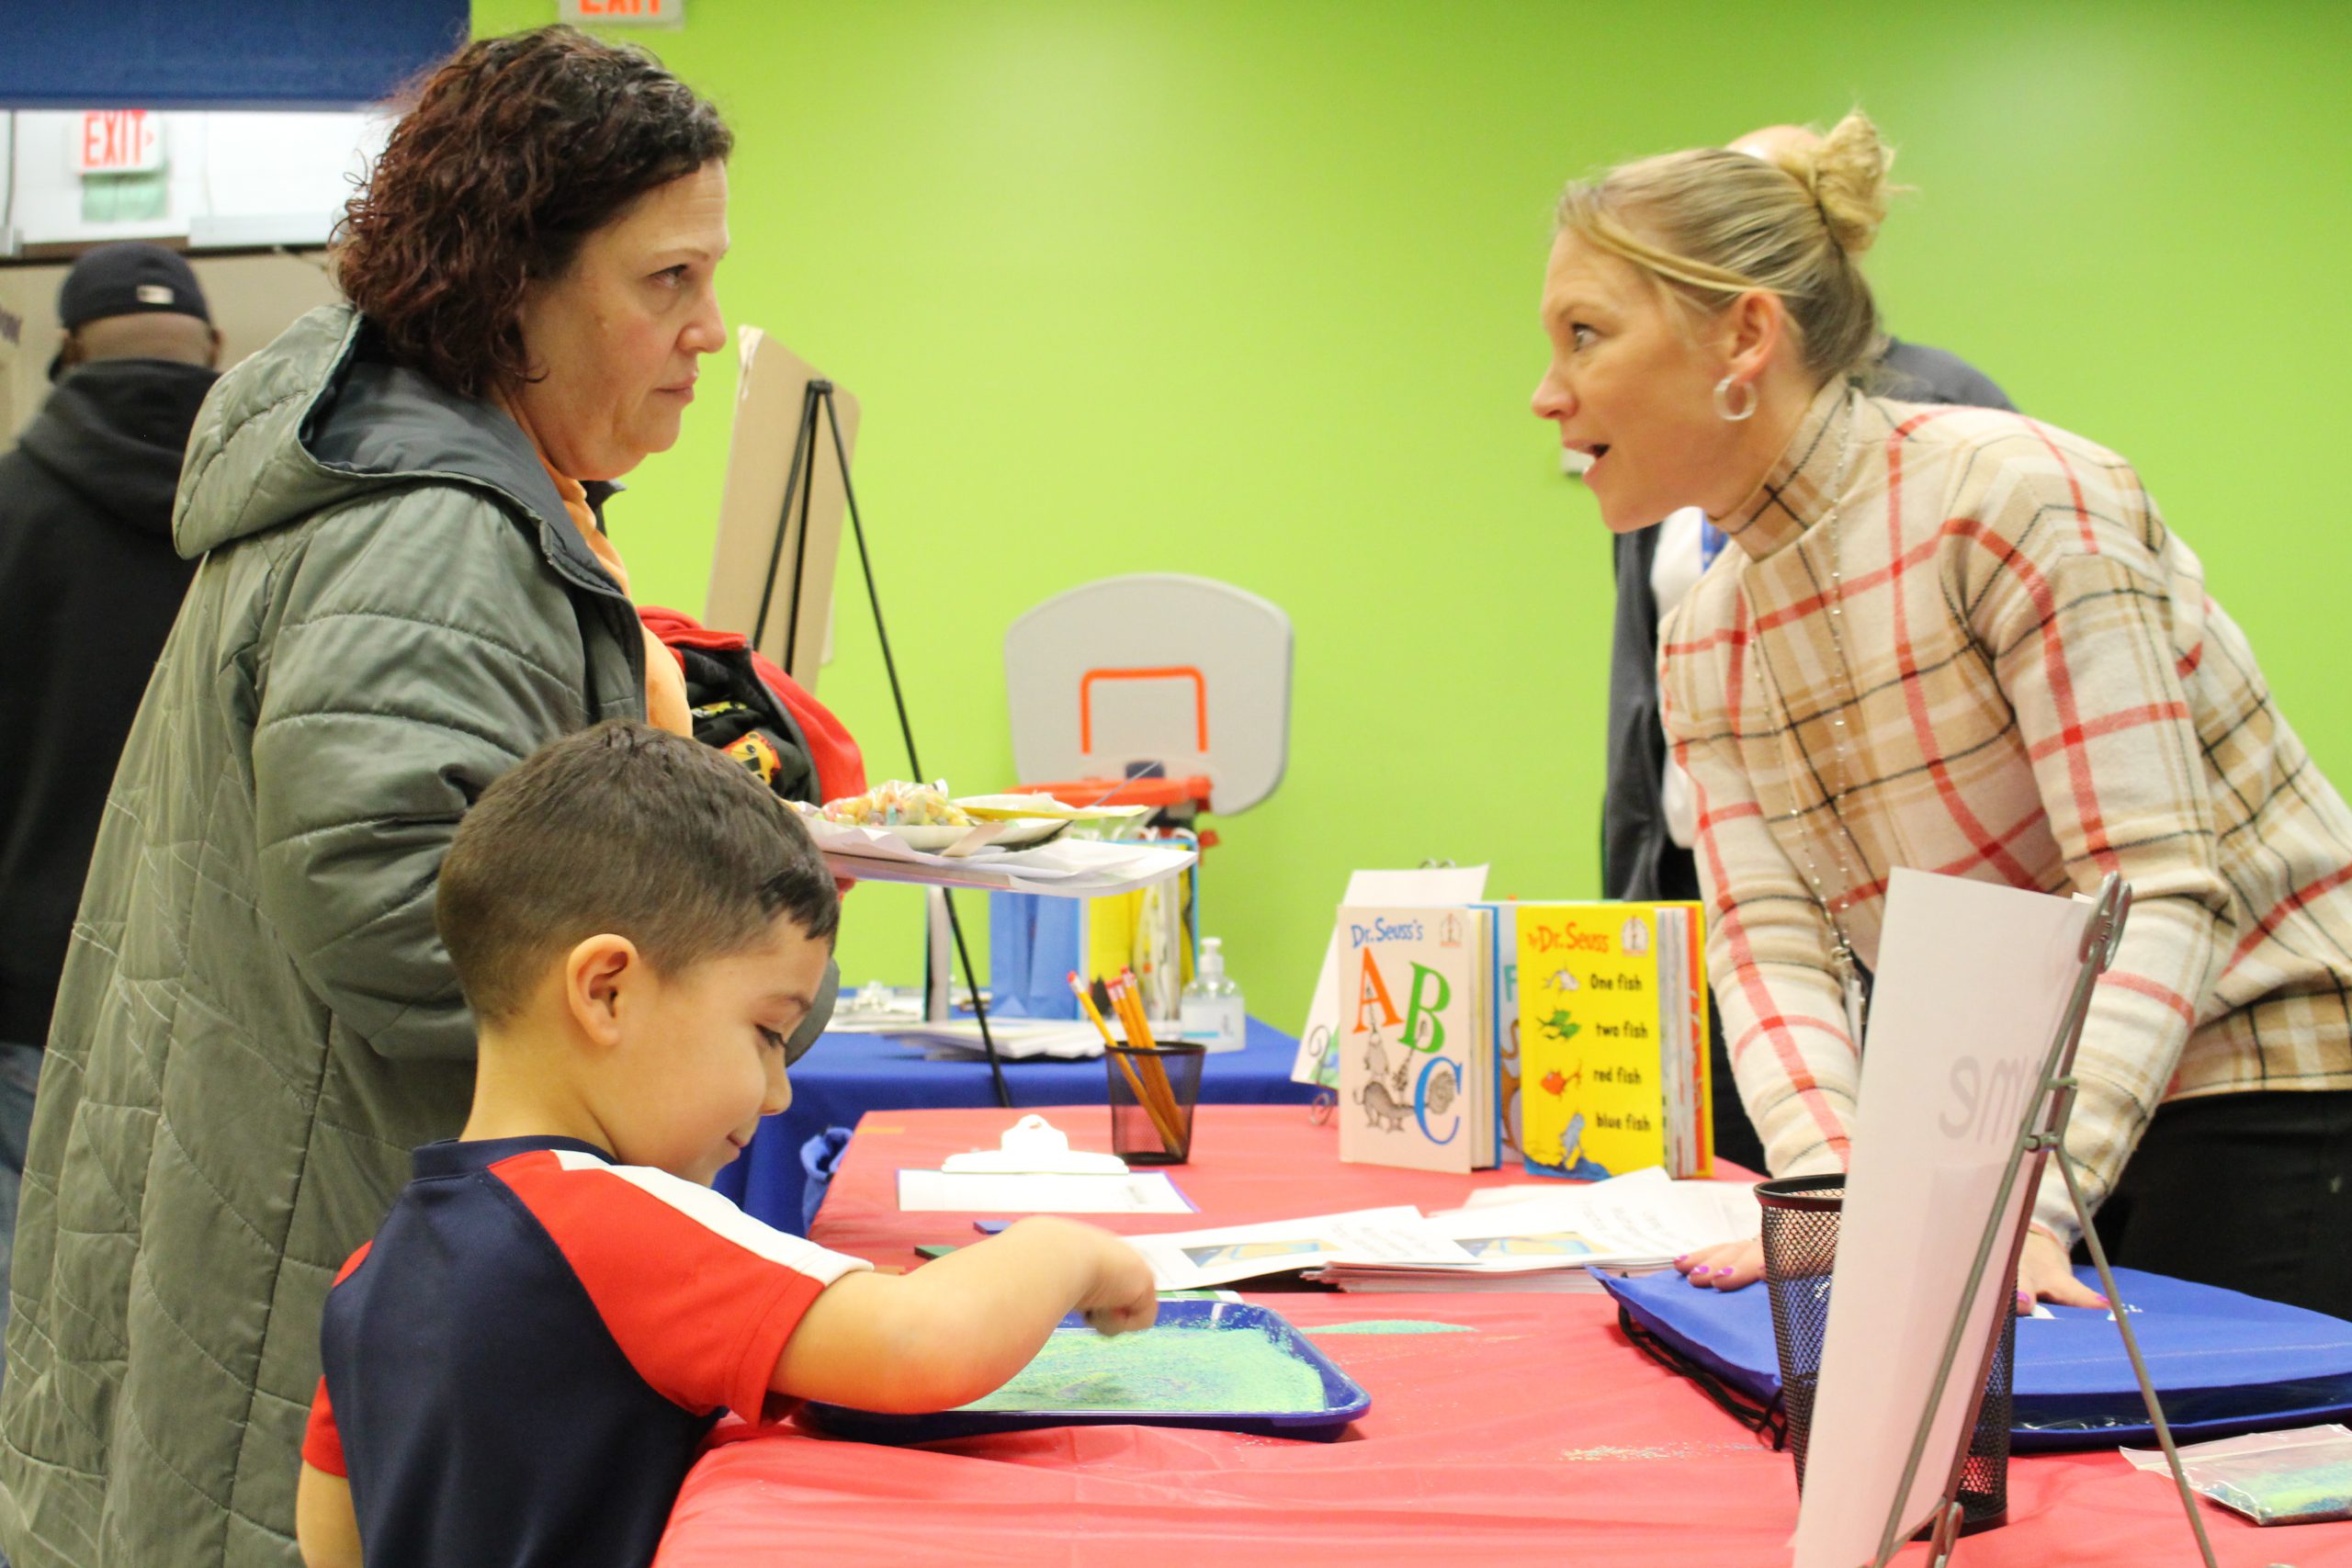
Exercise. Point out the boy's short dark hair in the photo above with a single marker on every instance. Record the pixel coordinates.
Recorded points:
(628, 829)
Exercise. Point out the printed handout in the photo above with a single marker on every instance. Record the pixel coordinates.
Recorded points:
(1040, 1193)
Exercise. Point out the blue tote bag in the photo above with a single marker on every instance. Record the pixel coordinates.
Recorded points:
(2223, 1362)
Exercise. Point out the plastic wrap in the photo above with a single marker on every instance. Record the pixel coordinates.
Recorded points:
(2297, 1477)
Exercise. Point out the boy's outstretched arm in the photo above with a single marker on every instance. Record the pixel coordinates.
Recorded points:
(962, 1326)
(325, 1526)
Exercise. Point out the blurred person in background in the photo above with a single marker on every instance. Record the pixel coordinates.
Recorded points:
(89, 583)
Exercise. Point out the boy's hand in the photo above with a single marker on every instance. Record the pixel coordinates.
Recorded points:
(958, 1328)
(1124, 1296)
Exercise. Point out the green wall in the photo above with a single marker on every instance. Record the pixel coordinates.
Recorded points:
(1248, 289)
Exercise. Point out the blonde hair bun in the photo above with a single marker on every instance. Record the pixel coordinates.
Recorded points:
(1846, 173)
(1792, 218)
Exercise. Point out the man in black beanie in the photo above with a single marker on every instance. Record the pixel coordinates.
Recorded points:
(89, 583)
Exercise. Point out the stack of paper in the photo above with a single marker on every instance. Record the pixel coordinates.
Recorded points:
(1187, 1260)
(1644, 1220)
(1635, 1223)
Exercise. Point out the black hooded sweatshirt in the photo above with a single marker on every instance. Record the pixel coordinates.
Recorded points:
(89, 583)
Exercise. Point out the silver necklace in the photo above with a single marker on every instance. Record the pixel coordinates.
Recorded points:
(1843, 962)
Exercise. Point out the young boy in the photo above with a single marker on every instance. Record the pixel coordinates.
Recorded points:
(521, 1365)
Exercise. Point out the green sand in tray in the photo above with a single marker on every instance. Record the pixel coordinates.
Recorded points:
(1391, 1325)
(1166, 1369)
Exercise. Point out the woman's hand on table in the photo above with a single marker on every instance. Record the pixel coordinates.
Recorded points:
(2046, 1274)
(2044, 1271)
(1729, 1265)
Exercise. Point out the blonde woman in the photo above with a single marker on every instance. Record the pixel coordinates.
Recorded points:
(1962, 641)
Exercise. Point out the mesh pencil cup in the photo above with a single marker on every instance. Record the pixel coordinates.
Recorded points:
(1153, 1090)
(1801, 1222)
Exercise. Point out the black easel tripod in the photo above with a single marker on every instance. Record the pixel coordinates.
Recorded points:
(800, 485)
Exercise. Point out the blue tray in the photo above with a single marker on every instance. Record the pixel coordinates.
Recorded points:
(1343, 1398)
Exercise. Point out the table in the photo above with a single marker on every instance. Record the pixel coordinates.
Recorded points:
(845, 1075)
(1527, 1430)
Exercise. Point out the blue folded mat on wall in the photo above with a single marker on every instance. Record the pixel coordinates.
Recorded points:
(2222, 1361)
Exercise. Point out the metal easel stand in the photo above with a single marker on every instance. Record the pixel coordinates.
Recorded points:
(2041, 1132)
(800, 484)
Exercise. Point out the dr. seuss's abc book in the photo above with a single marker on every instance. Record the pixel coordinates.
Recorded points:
(1415, 1037)
(1612, 1042)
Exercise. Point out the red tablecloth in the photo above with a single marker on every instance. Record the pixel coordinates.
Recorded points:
(1532, 1430)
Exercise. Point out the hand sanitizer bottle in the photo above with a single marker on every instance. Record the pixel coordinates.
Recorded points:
(1213, 1012)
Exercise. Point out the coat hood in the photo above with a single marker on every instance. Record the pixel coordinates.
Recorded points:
(114, 433)
(322, 417)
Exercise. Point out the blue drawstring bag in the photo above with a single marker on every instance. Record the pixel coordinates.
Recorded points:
(820, 1155)
(2222, 1361)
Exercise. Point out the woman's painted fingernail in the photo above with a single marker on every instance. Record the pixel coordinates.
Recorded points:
(2025, 1300)
(1685, 1257)
(2102, 1301)
(1724, 1269)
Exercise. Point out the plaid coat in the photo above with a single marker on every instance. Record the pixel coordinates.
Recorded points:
(2036, 690)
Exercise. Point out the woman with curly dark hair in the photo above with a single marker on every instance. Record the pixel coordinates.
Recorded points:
(405, 589)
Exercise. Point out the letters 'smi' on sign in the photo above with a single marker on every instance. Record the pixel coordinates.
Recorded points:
(627, 13)
(118, 142)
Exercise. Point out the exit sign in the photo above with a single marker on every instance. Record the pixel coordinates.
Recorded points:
(627, 13)
(117, 141)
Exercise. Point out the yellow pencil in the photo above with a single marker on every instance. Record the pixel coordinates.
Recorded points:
(1139, 1027)
(1132, 995)
(1170, 1133)
(1078, 989)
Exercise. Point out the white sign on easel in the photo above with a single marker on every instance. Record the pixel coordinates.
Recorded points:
(771, 579)
(1972, 984)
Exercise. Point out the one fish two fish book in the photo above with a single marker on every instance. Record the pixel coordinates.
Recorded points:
(1612, 1039)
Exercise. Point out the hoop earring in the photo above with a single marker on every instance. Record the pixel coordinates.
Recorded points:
(1724, 389)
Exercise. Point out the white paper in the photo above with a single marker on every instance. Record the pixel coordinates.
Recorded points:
(1137, 1193)
(1016, 1039)
(1432, 885)
(1971, 981)
(1185, 1260)
(1640, 1220)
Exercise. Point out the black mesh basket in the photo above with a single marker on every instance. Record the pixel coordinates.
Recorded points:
(1801, 1218)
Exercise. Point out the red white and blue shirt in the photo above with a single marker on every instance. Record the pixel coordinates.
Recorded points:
(521, 1366)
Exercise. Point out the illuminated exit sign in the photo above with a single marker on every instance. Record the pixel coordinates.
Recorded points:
(627, 13)
(118, 142)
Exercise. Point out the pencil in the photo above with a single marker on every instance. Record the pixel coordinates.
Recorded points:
(1168, 1134)
(1125, 997)
(1078, 989)
(1133, 996)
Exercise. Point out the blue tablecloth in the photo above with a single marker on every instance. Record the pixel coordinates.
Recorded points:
(845, 1075)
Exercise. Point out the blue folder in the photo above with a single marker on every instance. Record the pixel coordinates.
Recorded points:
(2223, 1362)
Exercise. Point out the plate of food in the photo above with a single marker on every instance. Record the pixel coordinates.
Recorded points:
(923, 817)
(1007, 807)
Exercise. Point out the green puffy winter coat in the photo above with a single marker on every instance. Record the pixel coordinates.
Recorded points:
(257, 1020)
